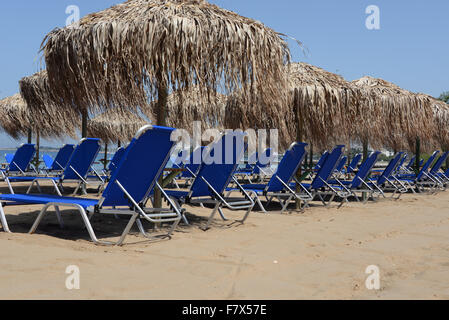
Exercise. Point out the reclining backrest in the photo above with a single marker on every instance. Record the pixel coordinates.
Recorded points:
(354, 163)
(194, 162)
(365, 169)
(115, 161)
(141, 166)
(288, 167)
(22, 158)
(220, 161)
(82, 159)
(62, 157)
(427, 165)
(439, 163)
(321, 160)
(328, 167)
(341, 164)
(394, 163)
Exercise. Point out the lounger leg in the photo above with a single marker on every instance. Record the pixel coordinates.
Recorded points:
(38, 219)
(9, 186)
(211, 217)
(58, 215)
(56, 188)
(220, 211)
(3, 221)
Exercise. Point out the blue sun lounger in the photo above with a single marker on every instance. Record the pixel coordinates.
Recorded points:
(126, 192)
(318, 186)
(340, 165)
(386, 181)
(216, 172)
(59, 163)
(321, 161)
(435, 171)
(76, 169)
(278, 187)
(257, 166)
(347, 188)
(9, 157)
(354, 164)
(423, 179)
(20, 162)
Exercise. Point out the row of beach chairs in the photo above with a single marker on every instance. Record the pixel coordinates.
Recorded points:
(128, 186)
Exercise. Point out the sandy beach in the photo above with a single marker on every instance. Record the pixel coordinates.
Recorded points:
(320, 254)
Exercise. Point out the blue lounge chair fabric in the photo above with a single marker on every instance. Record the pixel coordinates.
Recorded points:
(354, 163)
(423, 179)
(278, 186)
(321, 161)
(345, 189)
(320, 182)
(9, 157)
(126, 193)
(20, 162)
(76, 169)
(214, 175)
(62, 158)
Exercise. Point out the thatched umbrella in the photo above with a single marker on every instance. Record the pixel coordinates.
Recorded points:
(441, 121)
(115, 126)
(186, 106)
(14, 116)
(321, 108)
(140, 50)
(403, 113)
(43, 108)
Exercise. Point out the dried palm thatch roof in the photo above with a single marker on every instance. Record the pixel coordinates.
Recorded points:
(131, 53)
(14, 116)
(186, 106)
(441, 121)
(44, 110)
(321, 108)
(400, 113)
(115, 125)
(323, 102)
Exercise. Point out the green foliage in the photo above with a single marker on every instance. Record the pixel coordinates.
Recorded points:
(444, 97)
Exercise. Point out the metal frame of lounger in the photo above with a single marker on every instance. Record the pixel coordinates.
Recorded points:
(58, 164)
(214, 196)
(58, 182)
(435, 172)
(344, 191)
(423, 179)
(354, 164)
(315, 189)
(284, 193)
(136, 210)
(15, 168)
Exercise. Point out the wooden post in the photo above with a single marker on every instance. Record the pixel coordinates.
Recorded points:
(311, 156)
(105, 163)
(418, 154)
(84, 124)
(30, 136)
(365, 149)
(365, 157)
(161, 108)
(299, 138)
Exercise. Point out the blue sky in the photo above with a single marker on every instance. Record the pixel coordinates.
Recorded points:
(411, 48)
